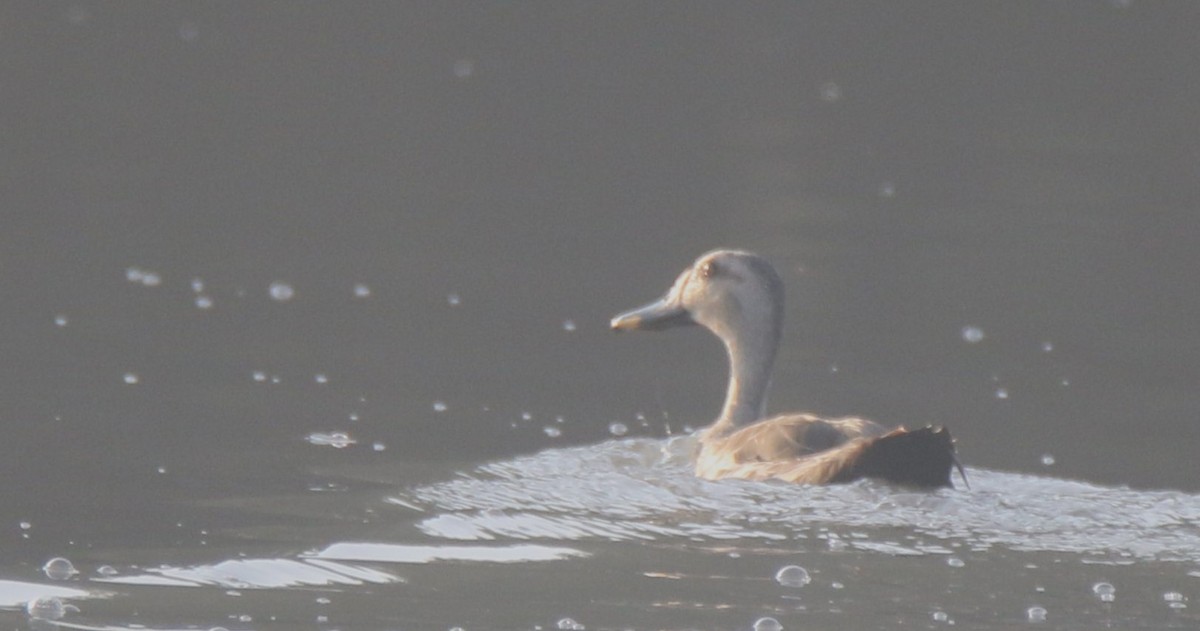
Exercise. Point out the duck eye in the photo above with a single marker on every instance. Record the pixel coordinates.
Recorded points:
(709, 269)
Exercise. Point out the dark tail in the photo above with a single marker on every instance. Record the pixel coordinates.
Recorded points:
(922, 458)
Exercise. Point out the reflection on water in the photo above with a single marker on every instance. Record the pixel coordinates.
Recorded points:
(643, 489)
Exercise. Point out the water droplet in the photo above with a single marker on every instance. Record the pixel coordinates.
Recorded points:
(526, 416)
(189, 32)
(837, 585)
(1036, 614)
(59, 569)
(60, 320)
(1047, 460)
(439, 406)
(1066, 382)
(792, 576)
(834, 368)
(1047, 346)
(887, 189)
(46, 608)
(281, 291)
(464, 68)
(972, 334)
(26, 525)
(767, 624)
(77, 15)
(321, 378)
(361, 290)
(204, 302)
(569, 624)
(353, 416)
(337, 440)
(453, 299)
(321, 600)
(617, 428)
(1001, 393)
(941, 616)
(276, 379)
(259, 375)
(197, 285)
(133, 274)
(378, 446)
(130, 378)
(955, 562)
(1175, 600)
(106, 570)
(568, 325)
(1105, 592)
(151, 279)
(161, 469)
(831, 92)
(245, 618)
(552, 431)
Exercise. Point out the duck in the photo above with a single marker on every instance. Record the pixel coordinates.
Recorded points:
(739, 297)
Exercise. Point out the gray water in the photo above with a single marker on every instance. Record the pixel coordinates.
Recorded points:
(305, 312)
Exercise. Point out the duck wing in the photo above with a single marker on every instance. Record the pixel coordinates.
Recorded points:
(809, 450)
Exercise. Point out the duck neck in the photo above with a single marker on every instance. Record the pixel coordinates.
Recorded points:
(750, 363)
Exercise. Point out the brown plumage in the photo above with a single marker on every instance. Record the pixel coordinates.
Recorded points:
(739, 297)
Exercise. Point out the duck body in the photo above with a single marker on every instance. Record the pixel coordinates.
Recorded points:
(738, 296)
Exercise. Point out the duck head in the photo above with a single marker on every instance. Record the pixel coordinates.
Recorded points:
(732, 293)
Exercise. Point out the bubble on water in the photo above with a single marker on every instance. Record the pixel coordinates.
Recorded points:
(337, 440)
(568, 325)
(130, 378)
(941, 616)
(378, 446)
(276, 379)
(133, 274)
(464, 68)
(197, 285)
(1065, 382)
(1047, 460)
(60, 320)
(552, 431)
(106, 570)
(1047, 346)
(526, 416)
(1105, 592)
(831, 92)
(972, 334)
(204, 302)
(955, 562)
(161, 469)
(1001, 393)
(792, 576)
(1175, 600)
(887, 189)
(617, 428)
(837, 585)
(245, 618)
(189, 31)
(1036, 614)
(322, 600)
(26, 525)
(834, 368)
(151, 279)
(281, 291)
(353, 416)
(321, 378)
(259, 376)
(77, 15)
(46, 608)
(453, 299)
(218, 629)
(455, 629)
(361, 290)
(59, 569)
(439, 406)
(569, 624)
(767, 623)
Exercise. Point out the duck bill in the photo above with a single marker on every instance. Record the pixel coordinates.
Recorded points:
(656, 316)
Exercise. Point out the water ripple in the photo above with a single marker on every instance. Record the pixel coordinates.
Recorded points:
(643, 489)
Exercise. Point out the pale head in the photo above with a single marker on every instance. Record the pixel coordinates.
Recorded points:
(729, 292)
